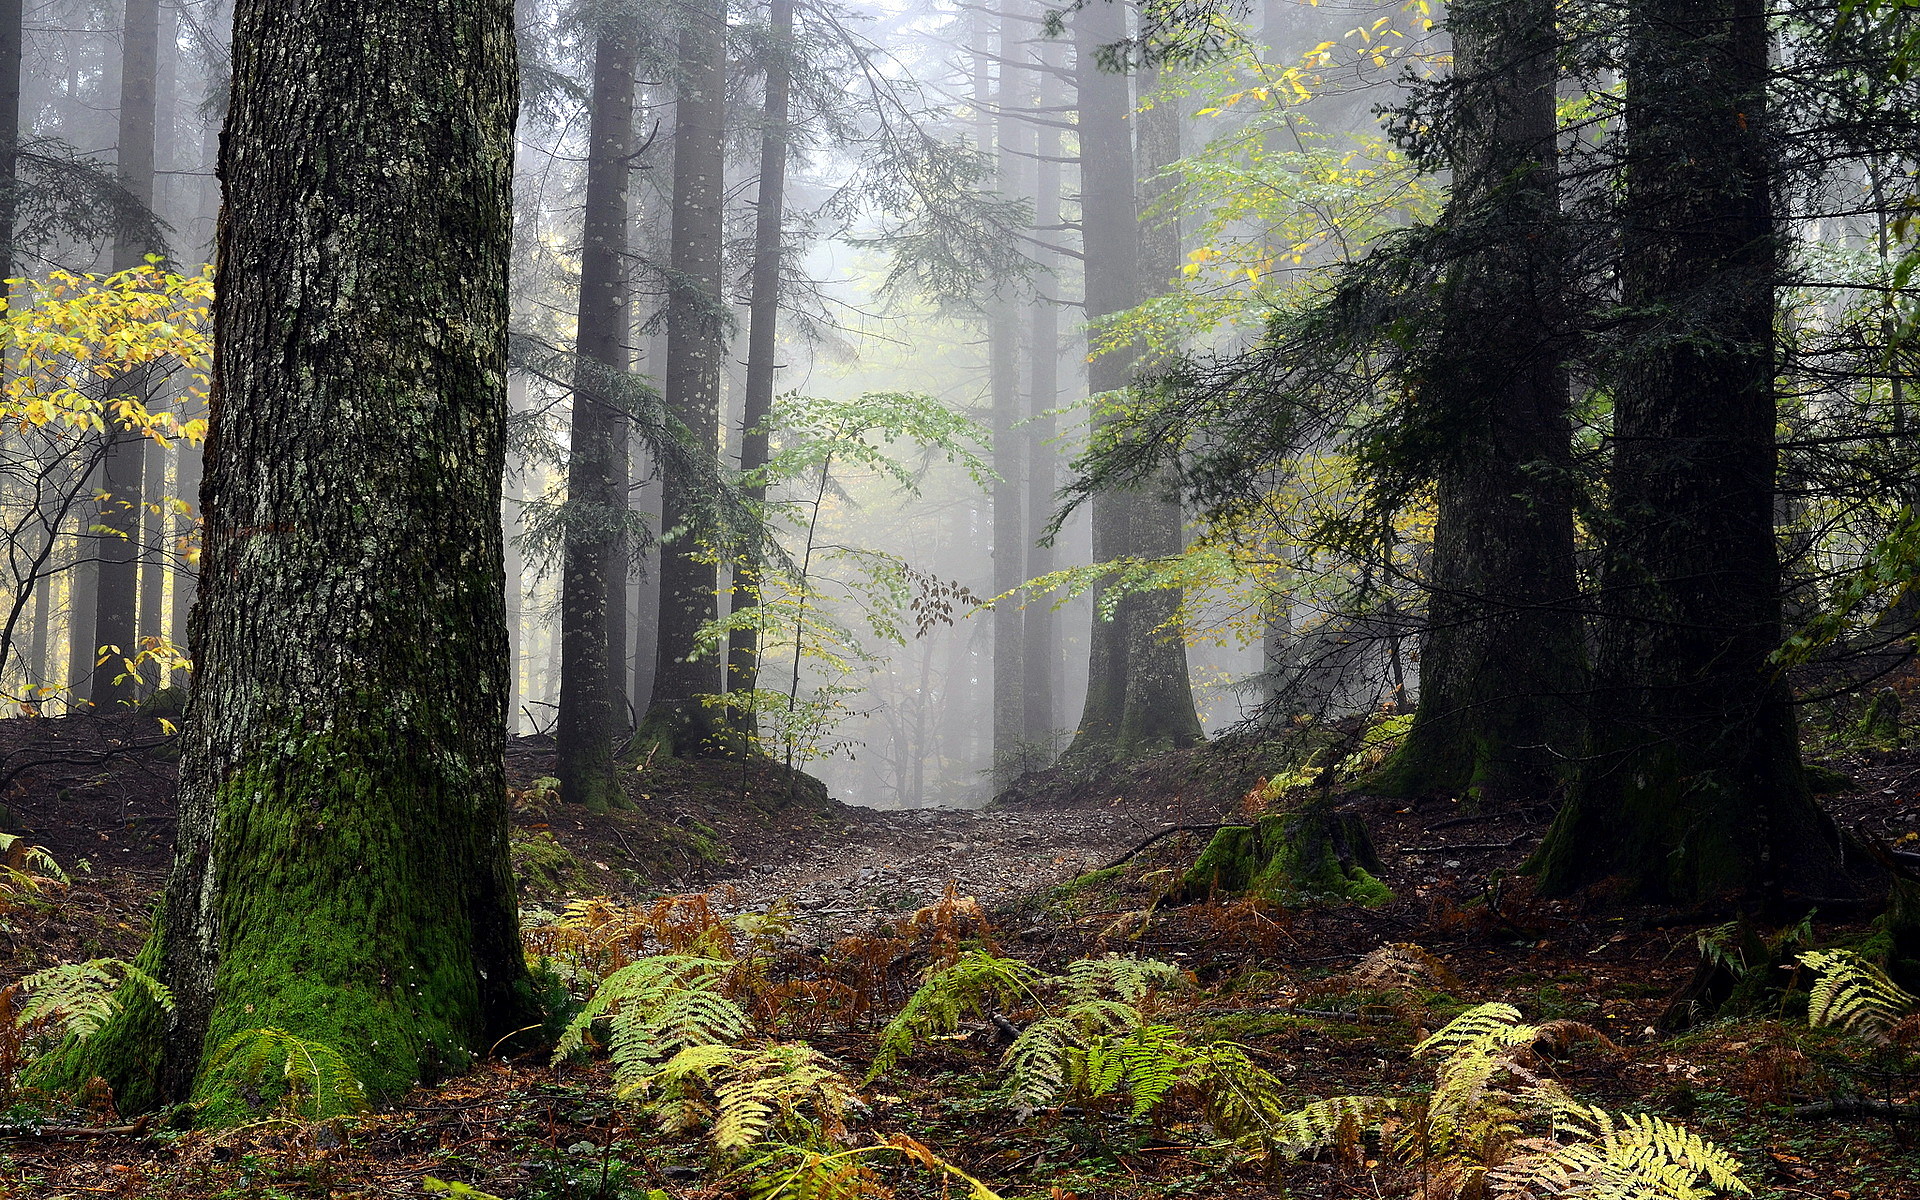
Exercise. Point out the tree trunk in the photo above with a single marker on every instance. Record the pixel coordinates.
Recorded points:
(1040, 638)
(342, 870)
(1502, 663)
(12, 51)
(512, 504)
(678, 716)
(1158, 713)
(591, 568)
(1692, 785)
(1108, 235)
(1003, 383)
(123, 470)
(763, 316)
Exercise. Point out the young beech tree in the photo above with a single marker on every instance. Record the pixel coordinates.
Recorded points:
(342, 870)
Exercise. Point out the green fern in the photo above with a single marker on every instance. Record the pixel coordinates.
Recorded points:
(83, 996)
(1854, 994)
(319, 1083)
(1127, 980)
(657, 1005)
(747, 1094)
(971, 984)
(1466, 1137)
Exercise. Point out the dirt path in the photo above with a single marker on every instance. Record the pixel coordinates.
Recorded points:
(895, 862)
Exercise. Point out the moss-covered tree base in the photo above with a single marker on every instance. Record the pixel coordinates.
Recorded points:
(1472, 761)
(1310, 856)
(683, 729)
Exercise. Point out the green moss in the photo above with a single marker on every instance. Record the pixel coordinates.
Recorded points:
(1880, 726)
(358, 905)
(1092, 879)
(1292, 859)
(1823, 780)
(542, 867)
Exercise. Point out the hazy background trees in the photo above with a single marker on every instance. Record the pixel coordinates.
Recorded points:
(1336, 292)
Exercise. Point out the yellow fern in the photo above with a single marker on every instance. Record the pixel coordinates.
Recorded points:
(1853, 994)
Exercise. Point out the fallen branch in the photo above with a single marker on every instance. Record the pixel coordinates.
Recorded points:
(1858, 1106)
(1464, 849)
(75, 1131)
(1169, 831)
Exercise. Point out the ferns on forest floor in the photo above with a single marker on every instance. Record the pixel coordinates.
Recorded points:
(1853, 994)
(1468, 1138)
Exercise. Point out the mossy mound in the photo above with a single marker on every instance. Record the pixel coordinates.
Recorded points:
(1310, 856)
(545, 869)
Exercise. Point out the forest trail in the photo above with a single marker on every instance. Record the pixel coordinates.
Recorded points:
(892, 862)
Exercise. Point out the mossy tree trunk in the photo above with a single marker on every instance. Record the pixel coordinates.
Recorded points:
(1692, 784)
(1313, 855)
(1501, 667)
(341, 870)
(593, 569)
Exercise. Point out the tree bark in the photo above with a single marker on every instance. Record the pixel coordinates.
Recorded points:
(341, 870)
(12, 52)
(678, 716)
(1040, 638)
(1158, 713)
(763, 316)
(1502, 665)
(1692, 785)
(116, 599)
(592, 567)
(1109, 236)
(1003, 383)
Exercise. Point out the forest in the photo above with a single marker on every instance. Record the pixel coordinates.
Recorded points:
(915, 599)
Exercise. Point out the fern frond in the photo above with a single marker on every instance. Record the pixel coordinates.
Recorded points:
(1039, 1063)
(1328, 1124)
(1243, 1100)
(1399, 965)
(770, 1086)
(319, 1082)
(1126, 979)
(1854, 994)
(1492, 1023)
(83, 996)
(970, 984)
(1095, 1017)
(1640, 1157)
(1153, 1059)
(657, 1004)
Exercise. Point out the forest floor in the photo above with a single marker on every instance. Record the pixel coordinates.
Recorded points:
(844, 884)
